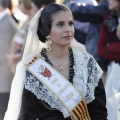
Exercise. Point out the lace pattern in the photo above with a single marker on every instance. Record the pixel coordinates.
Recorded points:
(87, 74)
(41, 92)
(86, 78)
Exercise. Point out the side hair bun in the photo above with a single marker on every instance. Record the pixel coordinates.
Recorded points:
(41, 37)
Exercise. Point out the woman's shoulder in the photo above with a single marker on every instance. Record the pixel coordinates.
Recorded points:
(77, 46)
(86, 61)
(82, 54)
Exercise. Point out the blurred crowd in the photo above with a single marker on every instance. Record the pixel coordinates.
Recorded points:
(97, 26)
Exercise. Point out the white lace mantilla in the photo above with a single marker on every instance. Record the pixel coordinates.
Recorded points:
(86, 78)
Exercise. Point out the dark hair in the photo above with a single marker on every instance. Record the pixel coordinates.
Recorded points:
(115, 12)
(40, 3)
(118, 1)
(45, 21)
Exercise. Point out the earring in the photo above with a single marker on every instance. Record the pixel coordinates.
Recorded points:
(48, 42)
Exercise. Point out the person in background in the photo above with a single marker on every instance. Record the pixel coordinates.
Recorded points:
(56, 79)
(109, 48)
(10, 7)
(95, 16)
(38, 4)
(18, 42)
(8, 28)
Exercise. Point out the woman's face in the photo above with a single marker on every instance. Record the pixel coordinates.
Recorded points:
(113, 4)
(62, 29)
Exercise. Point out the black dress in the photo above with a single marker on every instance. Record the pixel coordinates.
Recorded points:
(33, 108)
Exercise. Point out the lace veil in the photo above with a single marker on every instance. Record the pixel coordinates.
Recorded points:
(33, 47)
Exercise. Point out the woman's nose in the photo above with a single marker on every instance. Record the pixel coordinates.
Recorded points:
(68, 28)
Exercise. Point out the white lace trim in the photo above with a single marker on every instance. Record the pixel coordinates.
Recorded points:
(87, 74)
(86, 78)
(41, 92)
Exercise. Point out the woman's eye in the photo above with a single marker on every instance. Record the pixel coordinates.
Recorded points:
(60, 24)
(71, 23)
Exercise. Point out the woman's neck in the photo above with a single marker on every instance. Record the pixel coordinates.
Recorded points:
(58, 52)
(59, 57)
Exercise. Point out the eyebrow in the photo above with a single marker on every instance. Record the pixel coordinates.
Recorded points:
(59, 21)
(63, 21)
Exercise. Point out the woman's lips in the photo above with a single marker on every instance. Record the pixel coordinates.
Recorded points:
(67, 37)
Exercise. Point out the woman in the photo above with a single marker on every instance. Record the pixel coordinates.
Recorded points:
(109, 48)
(66, 76)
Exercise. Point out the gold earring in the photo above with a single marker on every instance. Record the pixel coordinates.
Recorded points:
(48, 42)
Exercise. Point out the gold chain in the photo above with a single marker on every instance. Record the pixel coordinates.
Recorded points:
(59, 66)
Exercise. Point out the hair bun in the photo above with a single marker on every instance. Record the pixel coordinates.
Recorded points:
(41, 37)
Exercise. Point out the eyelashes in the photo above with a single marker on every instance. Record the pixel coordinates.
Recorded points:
(60, 24)
(71, 23)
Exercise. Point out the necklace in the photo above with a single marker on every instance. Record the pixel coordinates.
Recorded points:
(61, 69)
(71, 61)
(59, 66)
